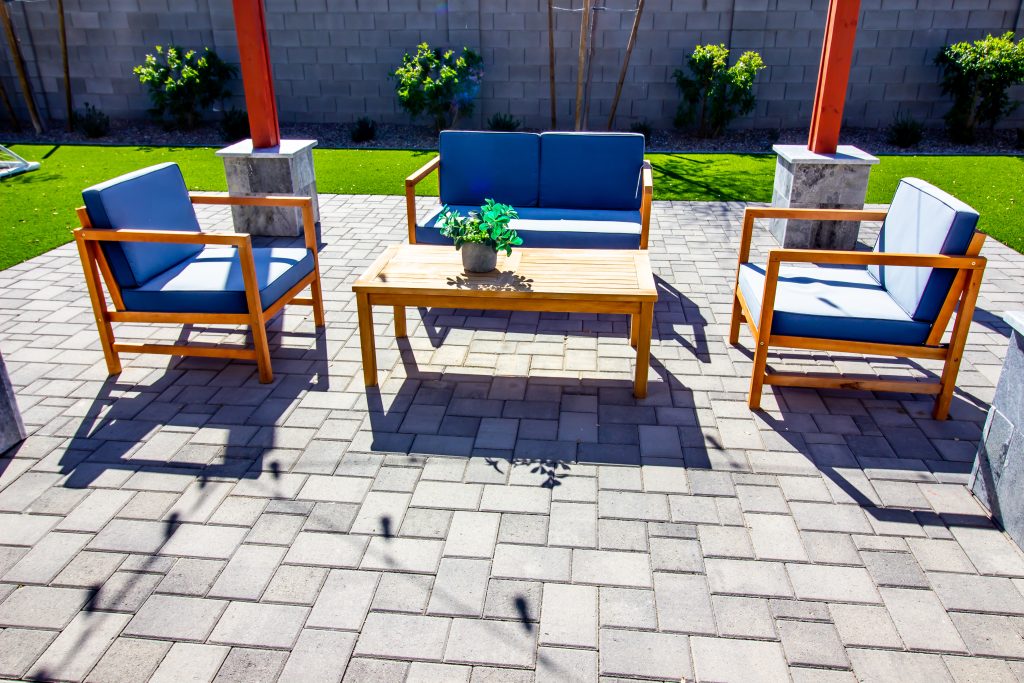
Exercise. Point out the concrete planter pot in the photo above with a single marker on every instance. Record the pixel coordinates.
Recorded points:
(998, 476)
(478, 258)
(12, 429)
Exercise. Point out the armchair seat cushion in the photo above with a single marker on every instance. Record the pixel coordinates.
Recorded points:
(556, 228)
(831, 303)
(211, 281)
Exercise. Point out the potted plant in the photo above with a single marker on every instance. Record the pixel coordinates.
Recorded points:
(481, 235)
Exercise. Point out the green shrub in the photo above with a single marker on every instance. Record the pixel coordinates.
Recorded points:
(716, 93)
(905, 131)
(644, 128)
(438, 84)
(503, 122)
(364, 130)
(92, 122)
(234, 124)
(489, 226)
(184, 84)
(978, 76)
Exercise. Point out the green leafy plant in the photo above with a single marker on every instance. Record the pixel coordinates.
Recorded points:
(92, 122)
(503, 122)
(644, 128)
(489, 226)
(364, 130)
(234, 124)
(715, 93)
(978, 76)
(438, 84)
(905, 131)
(182, 84)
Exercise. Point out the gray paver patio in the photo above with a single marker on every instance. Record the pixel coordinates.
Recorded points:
(500, 508)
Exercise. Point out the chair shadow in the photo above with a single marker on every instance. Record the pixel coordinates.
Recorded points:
(121, 417)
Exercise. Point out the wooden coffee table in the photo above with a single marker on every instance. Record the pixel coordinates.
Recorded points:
(552, 280)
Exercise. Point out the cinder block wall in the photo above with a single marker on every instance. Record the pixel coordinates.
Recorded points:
(332, 58)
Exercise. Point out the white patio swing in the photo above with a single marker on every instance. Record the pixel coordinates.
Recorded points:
(12, 164)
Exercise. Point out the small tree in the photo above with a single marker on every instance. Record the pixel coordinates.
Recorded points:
(978, 76)
(183, 84)
(439, 84)
(716, 93)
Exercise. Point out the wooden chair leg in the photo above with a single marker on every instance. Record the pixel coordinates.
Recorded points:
(957, 343)
(259, 340)
(99, 306)
(757, 375)
(734, 322)
(318, 301)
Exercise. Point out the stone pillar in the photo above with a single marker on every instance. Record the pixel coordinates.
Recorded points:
(998, 476)
(284, 169)
(806, 180)
(12, 429)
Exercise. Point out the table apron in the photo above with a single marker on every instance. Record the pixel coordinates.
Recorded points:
(532, 303)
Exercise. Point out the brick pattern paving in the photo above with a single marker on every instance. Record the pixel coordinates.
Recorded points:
(501, 508)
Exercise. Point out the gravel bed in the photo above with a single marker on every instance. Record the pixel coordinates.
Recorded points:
(397, 136)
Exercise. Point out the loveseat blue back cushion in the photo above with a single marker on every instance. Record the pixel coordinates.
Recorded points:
(153, 198)
(479, 165)
(923, 219)
(591, 170)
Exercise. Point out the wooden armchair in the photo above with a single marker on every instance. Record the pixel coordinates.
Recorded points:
(896, 301)
(141, 238)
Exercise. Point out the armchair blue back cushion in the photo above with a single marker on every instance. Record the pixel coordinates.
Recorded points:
(153, 198)
(591, 170)
(922, 219)
(479, 165)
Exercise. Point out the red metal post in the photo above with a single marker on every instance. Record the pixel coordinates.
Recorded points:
(257, 78)
(833, 75)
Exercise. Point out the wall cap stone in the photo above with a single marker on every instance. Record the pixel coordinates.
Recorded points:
(287, 149)
(845, 154)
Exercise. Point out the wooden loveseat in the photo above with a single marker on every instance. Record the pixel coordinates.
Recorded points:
(571, 190)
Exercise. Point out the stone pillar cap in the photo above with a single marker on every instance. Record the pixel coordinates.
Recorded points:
(845, 154)
(287, 148)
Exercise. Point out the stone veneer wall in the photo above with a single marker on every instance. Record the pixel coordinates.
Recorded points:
(332, 57)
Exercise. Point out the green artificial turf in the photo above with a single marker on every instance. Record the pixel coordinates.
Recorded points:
(37, 208)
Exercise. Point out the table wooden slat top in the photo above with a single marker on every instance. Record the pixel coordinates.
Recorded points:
(577, 274)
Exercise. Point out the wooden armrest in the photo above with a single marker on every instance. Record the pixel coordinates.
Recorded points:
(299, 202)
(647, 193)
(165, 236)
(816, 214)
(752, 212)
(223, 198)
(867, 258)
(423, 171)
(647, 175)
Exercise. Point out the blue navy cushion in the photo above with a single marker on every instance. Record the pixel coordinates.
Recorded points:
(153, 198)
(591, 170)
(557, 228)
(211, 281)
(479, 165)
(923, 219)
(831, 303)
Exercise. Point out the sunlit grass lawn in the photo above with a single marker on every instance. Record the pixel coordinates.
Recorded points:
(37, 209)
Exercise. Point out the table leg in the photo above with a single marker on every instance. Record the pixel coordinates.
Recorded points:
(634, 324)
(400, 329)
(643, 349)
(367, 342)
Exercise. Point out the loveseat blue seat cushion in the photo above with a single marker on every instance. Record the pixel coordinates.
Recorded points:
(922, 219)
(153, 198)
(591, 170)
(831, 303)
(211, 281)
(479, 165)
(557, 228)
